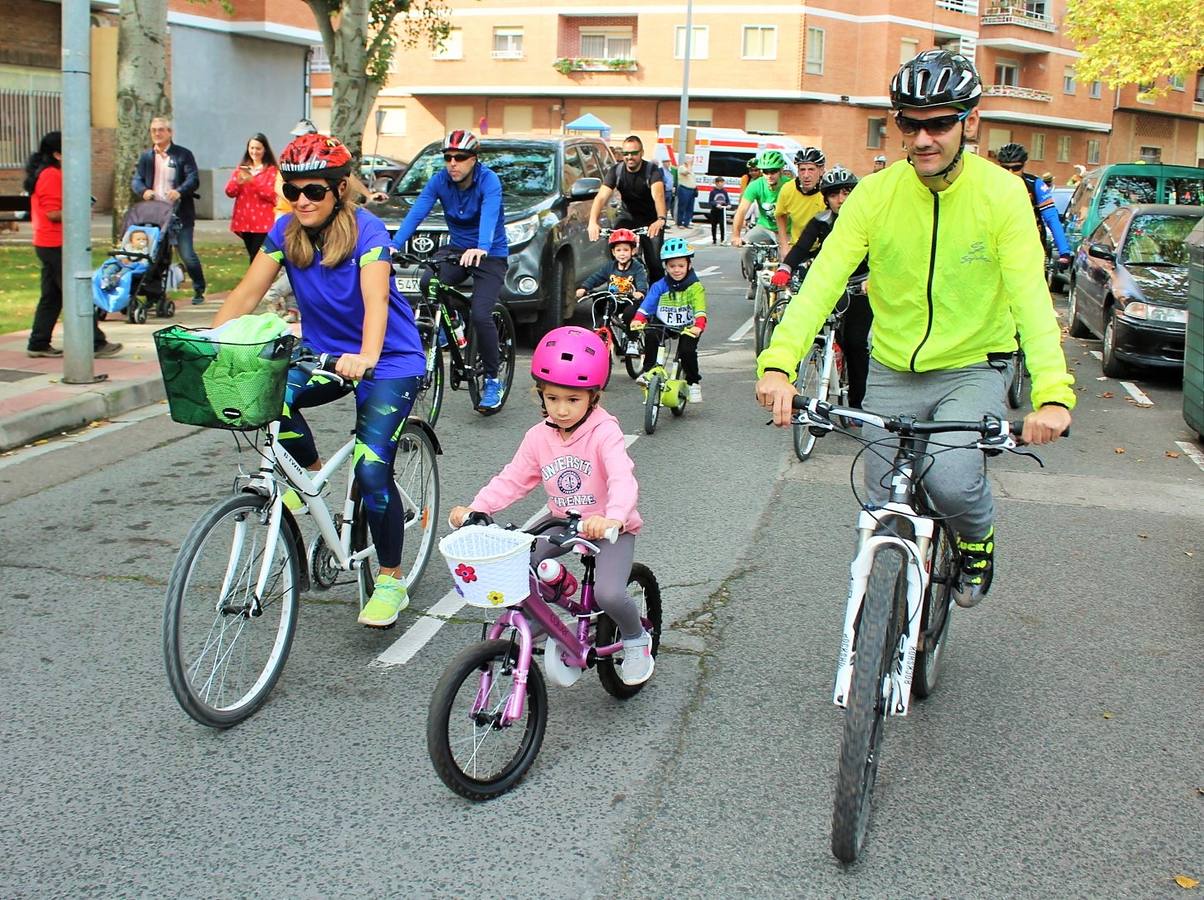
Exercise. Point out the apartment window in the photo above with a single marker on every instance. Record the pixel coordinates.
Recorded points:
(452, 46)
(607, 43)
(1037, 152)
(617, 117)
(760, 42)
(318, 60)
(517, 118)
(1092, 152)
(699, 42)
(1068, 80)
(1199, 98)
(875, 132)
(1064, 148)
(700, 116)
(1097, 90)
(1007, 72)
(1177, 82)
(1036, 9)
(1151, 154)
(815, 51)
(761, 120)
(394, 120)
(997, 137)
(1143, 92)
(507, 43)
(909, 48)
(459, 116)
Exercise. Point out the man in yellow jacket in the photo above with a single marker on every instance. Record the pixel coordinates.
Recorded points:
(957, 273)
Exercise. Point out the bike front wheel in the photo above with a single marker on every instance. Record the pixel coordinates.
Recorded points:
(506, 339)
(429, 402)
(865, 715)
(934, 619)
(652, 404)
(473, 753)
(808, 384)
(760, 314)
(642, 588)
(634, 362)
(224, 648)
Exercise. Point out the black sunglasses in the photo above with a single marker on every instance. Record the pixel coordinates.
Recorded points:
(934, 126)
(458, 157)
(1014, 168)
(315, 193)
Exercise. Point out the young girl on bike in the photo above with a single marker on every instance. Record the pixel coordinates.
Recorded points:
(579, 454)
(678, 299)
(836, 185)
(337, 259)
(625, 274)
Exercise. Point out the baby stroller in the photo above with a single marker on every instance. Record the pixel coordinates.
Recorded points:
(139, 273)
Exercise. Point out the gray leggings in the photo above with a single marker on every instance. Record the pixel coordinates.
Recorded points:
(957, 480)
(612, 566)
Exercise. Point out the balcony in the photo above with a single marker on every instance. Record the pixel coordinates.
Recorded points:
(567, 64)
(1017, 15)
(1016, 92)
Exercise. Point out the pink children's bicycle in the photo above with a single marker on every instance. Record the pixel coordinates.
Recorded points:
(489, 711)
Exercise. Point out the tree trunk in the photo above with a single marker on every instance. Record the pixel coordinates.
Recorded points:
(142, 85)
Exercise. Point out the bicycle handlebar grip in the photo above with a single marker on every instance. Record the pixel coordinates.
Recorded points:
(611, 534)
(327, 362)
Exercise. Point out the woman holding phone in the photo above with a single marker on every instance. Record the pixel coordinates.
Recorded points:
(253, 187)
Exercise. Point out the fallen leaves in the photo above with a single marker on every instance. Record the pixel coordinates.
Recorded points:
(1109, 715)
(1119, 450)
(1172, 454)
(1142, 536)
(1107, 395)
(1186, 881)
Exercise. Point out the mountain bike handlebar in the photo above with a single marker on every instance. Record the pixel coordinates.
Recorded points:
(323, 364)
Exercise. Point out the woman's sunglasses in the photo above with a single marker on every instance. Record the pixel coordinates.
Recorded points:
(314, 193)
(934, 126)
(458, 157)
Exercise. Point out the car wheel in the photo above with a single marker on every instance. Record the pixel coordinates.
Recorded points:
(552, 314)
(1075, 325)
(1112, 366)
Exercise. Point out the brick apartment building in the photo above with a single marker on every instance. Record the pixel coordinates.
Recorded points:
(232, 74)
(817, 73)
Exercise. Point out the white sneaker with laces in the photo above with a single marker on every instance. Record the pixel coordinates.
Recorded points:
(696, 393)
(638, 662)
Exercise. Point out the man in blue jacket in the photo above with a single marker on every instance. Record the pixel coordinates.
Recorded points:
(168, 172)
(471, 196)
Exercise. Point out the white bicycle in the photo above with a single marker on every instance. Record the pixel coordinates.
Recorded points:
(233, 595)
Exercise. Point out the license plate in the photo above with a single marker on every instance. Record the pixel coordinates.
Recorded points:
(406, 285)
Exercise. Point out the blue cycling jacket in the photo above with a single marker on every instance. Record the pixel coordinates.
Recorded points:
(1046, 211)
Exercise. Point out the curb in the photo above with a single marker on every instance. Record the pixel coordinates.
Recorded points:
(77, 412)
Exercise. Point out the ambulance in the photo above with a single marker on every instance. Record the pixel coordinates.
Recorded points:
(719, 153)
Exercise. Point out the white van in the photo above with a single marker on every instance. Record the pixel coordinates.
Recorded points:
(720, 152)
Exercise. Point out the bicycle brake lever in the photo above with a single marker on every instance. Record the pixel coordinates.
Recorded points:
(1039, 460)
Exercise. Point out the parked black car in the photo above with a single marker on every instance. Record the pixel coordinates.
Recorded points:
(548, 186)
(1128, 285)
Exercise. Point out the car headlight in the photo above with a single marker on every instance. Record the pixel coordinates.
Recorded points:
(1153, 313)
(521, 231)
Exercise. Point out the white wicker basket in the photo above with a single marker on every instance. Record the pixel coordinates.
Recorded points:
(490, 566)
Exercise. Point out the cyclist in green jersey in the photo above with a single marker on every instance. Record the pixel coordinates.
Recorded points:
(958, 272)
(763, 195)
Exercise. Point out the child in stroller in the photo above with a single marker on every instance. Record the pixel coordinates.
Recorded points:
(139, 272)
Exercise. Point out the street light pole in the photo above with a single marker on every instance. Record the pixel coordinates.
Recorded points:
(684, 114)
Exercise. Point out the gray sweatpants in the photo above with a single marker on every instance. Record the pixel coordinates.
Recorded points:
(612, 566)
(957, 481)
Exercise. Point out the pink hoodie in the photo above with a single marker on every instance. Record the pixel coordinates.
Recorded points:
(590, 472)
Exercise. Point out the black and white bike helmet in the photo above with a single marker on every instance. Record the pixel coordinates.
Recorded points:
(812, 155)
(936, 78)
(1011, 154)
(837, 178)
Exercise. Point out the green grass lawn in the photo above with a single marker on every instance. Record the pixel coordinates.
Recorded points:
(20, 278)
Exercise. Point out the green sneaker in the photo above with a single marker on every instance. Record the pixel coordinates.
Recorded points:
(978, 568)
(389, 597)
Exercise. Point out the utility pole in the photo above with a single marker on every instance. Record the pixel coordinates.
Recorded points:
(77, 193)
(684, 115)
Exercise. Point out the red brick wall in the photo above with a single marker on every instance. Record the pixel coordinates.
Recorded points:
(38, 26)
(568, 41)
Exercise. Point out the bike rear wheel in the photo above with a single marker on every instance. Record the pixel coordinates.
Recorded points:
(416, 474)
(642, 587)
(808, 384)
(652, 404)
(934, 618)
(472, 753)
(865, 715)
(506, 343)
(223, 650)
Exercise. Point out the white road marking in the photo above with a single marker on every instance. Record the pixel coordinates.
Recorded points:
(1137, 393)
(1193, 454)
(419, 634)
(1097, 355)
(125, 420)
(740, 333)
(709, 270)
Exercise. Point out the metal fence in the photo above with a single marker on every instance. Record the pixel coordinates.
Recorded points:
(24, 117)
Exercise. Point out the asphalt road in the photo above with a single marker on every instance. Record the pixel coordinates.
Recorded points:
(1060, 757)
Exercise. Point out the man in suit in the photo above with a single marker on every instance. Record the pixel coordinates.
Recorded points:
(168, 172)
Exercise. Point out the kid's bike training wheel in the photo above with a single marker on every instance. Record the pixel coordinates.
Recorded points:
(652, 404)
(634, 364)
(866, 712)
(473, 753)
(223, 650)
(934, 618)
(643, 589)
(1016, 387)
(808, 384)
(505, 373)
(416, 474)
(429, 402)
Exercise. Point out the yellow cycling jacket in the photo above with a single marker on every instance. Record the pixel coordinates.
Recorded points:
(954, 276)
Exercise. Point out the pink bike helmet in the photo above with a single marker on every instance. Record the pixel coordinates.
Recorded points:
(571, 357)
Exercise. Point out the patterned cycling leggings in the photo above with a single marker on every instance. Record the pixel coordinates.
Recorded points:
(381, 407)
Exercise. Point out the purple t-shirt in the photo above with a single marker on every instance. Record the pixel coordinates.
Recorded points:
(332, 307)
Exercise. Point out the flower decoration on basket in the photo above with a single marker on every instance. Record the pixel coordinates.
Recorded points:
(495, 597)
(466, 572)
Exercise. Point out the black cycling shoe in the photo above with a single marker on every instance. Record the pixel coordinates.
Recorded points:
(977, 570)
